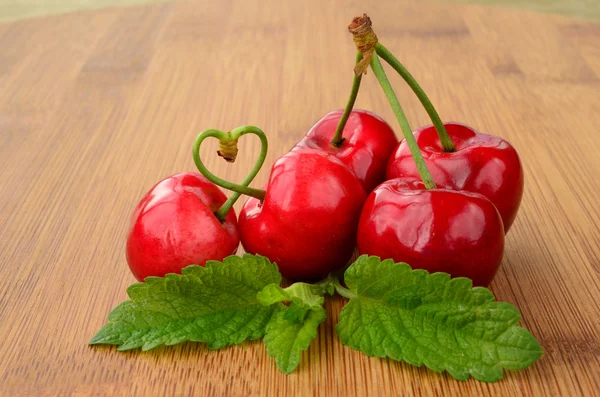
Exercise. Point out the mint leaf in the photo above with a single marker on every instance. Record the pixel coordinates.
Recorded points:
(291, 330)
(431, 319)
(216, 304)
(286, 339)
(303, 297)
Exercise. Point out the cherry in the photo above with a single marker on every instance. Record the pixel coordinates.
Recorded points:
(367, 144)
(439, 230)
(480, 163)
(185, 219)
(174, 226)
(308, 220)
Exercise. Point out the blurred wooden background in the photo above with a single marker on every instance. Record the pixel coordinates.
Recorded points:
(17, 9)
(95, 107)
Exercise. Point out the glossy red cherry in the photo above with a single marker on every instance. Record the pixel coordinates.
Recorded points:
(308, 219)
(482, 163)
(369, 142)
(438, 230)
(174, 226)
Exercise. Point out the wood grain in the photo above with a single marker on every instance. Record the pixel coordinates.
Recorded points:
(95, 107)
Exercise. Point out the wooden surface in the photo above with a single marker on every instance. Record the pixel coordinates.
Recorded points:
(96, 107)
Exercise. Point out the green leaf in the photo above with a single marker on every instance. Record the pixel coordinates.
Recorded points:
(287, 338)
(432, 320)
(216, 304)
(290, 331)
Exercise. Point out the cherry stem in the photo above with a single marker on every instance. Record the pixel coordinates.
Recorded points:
(338, 137)
(387, 56)
(229, 140)
(406, 130)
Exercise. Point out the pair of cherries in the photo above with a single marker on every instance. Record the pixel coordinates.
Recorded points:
(314, 212)
(458, 227)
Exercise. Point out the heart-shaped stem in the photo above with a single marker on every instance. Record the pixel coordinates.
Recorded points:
(406, 130)
(228, 150)
(338, 137)
(387, 56)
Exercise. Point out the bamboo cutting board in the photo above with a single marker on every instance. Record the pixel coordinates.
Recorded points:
(95, 107)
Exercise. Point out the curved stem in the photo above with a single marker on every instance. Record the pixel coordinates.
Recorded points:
(338, 138)
(387, 56)
(406, 130)
(345, 292)
(238, 189)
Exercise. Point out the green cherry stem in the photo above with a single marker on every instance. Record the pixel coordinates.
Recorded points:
(345, 292)
(406, 130)
(338, 137)
(387, 56)
(228, 144)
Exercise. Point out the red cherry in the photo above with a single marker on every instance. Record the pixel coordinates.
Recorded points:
(482, 163)
(438, 230)
(174, 226)
(369, 142)
(307, 222)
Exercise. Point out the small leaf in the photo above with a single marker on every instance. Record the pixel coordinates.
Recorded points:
(272, 293)
(432, 320)
(291, 330)
(286, 339)
(303, 297)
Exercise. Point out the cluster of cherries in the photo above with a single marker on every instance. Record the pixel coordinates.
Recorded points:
(441, 199)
